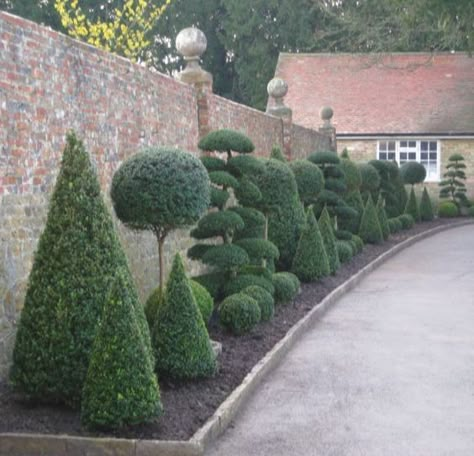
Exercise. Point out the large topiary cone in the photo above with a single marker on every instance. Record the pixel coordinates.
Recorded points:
(370, 230)
(412, 207)
(180, 339)
(383, 219)
(426, 207)
(77, 257)
(327, 233)
(310, 261)
(120, 387)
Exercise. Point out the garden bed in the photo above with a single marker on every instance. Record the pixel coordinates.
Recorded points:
(189, 405)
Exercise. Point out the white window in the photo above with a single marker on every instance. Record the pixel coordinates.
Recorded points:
(426, 152)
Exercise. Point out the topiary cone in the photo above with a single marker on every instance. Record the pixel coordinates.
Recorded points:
(370, 230)
(412, 206)
(383, 219)
(327, 233)
(120, 387)
(180, 339)
(426, 208)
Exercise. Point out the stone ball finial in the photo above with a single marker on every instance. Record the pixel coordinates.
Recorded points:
(191, 43)
(277, 88)
(326, 113)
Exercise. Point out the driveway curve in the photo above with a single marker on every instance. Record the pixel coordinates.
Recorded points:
(389, 370)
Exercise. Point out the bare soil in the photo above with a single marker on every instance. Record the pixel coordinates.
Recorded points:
(188, 405)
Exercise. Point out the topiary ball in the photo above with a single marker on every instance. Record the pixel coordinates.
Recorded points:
(286, 286)
(407, 221)
(370, 178)
(160, 188)
(239, 283)
(226, 140)
(203, 299)
(395, 225)
(264, 300)
(448, 209)
(309, 180)
(344, 251)
(239, 313)
(412, 173)
(358, 242)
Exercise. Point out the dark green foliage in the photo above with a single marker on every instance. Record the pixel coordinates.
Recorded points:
(353, 200)
(277, 154)
(259, 249)
(406, 220)
(335, 185)
(344, 251)
(212, 282)
(219, 223)
(426, 208)
(395, 225)
(470, 211)
(453, 186)
(219, 197)
(310, 262)
(358, 242)
(225, 141)
(343, 235)
(412, 173)
(239, 313)
(242, 165)
(213, 163)
(389, 175)
(383, 219)
(402, 196)
(448, 209)
(324, 158)
(370, 178)
(223, 178)
(225, 257)
(309, 180)
(247, 193)
(75, 264)
(260, 271)
(165, 188)
(327, 233)
(264, 300)
(237, 284)
(120, 388)
(197, 251)
(353, 178)
(151, 306)
(287, 286)
(254, 223)
(180, 339)
(370, 230)
(203, 299)
(412, 207)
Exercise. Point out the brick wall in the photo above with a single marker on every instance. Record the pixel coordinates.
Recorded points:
(304, 141)
(49, 84)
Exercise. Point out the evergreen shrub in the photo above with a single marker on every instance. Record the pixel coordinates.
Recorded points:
(239, 313)
(226, 140)
(309, 180)
(264, 300)
(448, 209)
(412, 207)
(406, 220)
(287, 286)
(358, 242)
(277, 154)
(180, 340)
(212, 282)
(370, 179)
(344, 251)
(239, 283)
(258, 249)
(382, 216)
(203, 299)
(327, 233)
(452, 185)
(395, 225)
(412, 173)
(370, 230)
(426, 208)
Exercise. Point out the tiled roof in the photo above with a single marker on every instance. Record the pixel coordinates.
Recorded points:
(412, 93)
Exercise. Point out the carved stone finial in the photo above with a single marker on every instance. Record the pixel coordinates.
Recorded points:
(277, 88)
(326, 115)
(191, 43)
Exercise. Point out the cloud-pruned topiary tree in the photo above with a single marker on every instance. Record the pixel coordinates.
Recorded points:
(77, 259)
(426, 207)
(310, 262)
(160, 190)
(370, 180)
(120, 387)
(370, 230)
(327, 232)
(452, 185)
(309, 180)
(382, 216)
(389, 175)
(180, 339)
(412, 207)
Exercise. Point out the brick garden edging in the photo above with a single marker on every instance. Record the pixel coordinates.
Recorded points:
(17, 444)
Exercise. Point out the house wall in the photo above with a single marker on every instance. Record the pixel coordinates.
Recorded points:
(365, 150)
(50, 84)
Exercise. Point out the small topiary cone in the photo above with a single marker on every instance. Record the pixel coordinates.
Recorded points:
(412, 206)
(180, 338)
(310, 262)
(370, 230)
(426, 208)
(120, 387)
(383, 219)
(327, 233)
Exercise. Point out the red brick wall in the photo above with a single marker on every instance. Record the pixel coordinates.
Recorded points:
(304, 141)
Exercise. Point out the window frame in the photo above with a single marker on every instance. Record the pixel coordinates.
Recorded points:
(416, 149)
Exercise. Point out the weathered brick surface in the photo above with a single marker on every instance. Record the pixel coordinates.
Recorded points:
(305, 141)
(49, 84)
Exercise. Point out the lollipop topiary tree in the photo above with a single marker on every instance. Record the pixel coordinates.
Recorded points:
(452, 185)
(160, 190)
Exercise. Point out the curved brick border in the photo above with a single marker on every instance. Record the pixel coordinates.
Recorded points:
(64, 445)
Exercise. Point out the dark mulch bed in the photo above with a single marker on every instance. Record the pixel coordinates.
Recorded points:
(188, 406)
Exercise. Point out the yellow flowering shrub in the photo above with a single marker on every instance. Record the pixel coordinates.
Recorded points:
(125, 33)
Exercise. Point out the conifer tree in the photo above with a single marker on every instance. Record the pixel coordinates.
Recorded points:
(426, 207)
(327, 232)
(412, 207)
(370, 230)
(120, 387)
(74, 266)
(310, 262)
(180, 338)
(383, 219)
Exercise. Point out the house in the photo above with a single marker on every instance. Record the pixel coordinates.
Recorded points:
(403, 106)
